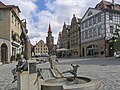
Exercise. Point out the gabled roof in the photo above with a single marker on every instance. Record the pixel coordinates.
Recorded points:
(108, 5)
(40, 42)
(3, 6)
(13, 6)
(103, 5)
(90, 12)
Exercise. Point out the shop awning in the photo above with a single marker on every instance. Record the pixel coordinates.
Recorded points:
(62, 49)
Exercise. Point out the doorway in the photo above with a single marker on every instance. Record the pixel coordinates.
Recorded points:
(4, 53)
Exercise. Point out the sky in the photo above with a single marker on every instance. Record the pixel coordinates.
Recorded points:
(39, 13)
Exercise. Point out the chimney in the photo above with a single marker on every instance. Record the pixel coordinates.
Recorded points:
(36, 42)
(113, 3)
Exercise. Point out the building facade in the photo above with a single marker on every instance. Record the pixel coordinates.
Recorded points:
(10, 31)
(41, 48)
(59, 40)
(50, 40)
(65, 40)
(97, 27)
(75, 36)
(71, 37)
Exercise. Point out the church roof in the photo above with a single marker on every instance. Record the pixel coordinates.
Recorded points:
(49, 29)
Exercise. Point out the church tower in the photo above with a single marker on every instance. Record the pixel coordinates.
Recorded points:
(50, 40)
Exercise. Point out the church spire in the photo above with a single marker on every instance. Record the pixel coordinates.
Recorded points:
(49, 29)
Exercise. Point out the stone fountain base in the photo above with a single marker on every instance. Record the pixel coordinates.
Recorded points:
(81, 83)
(32, 80)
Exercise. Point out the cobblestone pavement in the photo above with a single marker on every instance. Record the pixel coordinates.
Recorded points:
(106, 70)
(6, 77)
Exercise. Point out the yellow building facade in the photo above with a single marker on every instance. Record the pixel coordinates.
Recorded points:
(10, 31)
(41, 48)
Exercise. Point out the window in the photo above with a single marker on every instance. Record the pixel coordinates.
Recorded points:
(12, 18)
(90, 22)
(110, 16)
(18, 25)
(94, 20)
(111, 29)
(94, 32)
(82, 35)
(86, 34)
(15, 22)
(1, 15)
(82, 26)
(12, 33)
(90, 33)
(86, 24)
(90, 13)
(99, 30)
(99, 18)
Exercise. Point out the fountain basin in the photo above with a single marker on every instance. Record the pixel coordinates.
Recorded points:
(81, 83)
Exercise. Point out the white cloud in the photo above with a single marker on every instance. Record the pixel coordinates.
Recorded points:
(28, 11)
(56, 13)
(60, 11)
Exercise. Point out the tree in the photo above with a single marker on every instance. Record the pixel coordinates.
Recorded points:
(116, 38)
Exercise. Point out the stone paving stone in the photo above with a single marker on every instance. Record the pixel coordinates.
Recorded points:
(108, 74)
(6, 77)
(107, 71)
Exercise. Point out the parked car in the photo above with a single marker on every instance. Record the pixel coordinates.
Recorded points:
(117, 54)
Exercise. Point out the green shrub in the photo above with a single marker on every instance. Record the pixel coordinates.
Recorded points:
(12, 58)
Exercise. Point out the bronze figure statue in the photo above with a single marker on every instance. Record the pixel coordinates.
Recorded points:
(73, 71)
(24, 39)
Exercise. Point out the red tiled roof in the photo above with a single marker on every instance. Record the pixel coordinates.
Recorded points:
(2, 6)
(107, 5)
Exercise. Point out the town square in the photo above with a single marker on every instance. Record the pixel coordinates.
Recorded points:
(59, 45)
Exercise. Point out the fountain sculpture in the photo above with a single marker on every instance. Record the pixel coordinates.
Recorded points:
(59, 82)
(30, 77)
